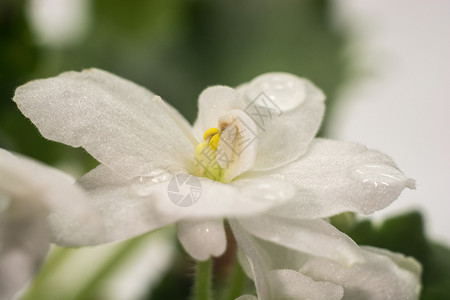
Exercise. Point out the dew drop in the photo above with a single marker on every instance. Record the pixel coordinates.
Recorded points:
(285, 90)
(143, 185)
(379, 176)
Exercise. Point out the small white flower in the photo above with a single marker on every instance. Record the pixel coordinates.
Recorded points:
(38, 205)
(251, 152)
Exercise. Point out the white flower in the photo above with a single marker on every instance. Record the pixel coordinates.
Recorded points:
(251, 153)
(38, 205)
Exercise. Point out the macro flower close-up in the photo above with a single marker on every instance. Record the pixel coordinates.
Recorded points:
(224, 150)
(250, 158)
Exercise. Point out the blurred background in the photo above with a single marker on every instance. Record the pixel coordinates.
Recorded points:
(401, 104)
(384, 66)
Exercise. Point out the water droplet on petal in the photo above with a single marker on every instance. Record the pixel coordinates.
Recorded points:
(285, 90)
(379, 176)
(143, 185)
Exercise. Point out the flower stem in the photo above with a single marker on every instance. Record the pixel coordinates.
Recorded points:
(237, 282)
(202, 289)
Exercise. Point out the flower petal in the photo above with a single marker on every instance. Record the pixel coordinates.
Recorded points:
(256, 262)
(131, 207)
(24, 241)
(315, 237)
(212, 103)
(289, 284)
(33, 198)
(334, 177)
(247, 297)
(384, 276)
(118, 122)
(73, 221)
(288, 111)
(202, 239)
(282, 257)
(127, 207)
(281, 284)
(212, 199)
(237, 148)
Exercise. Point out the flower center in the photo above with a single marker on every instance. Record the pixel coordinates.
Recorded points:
(206, 155)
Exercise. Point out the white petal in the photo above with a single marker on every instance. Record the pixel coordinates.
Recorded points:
(212, 199)
(247, 297)
(212, 103)
(384, 276)
(404, 262)
(118, 122)
(202, 239)
(72, 219)
(280, 284)
(288, 111)
(31, 195)
(131, 207)
(24, 241)
(289, 284)
(282, 257)
(127, 207)
(315, 237)
(287, 91)
(334, 177)
(237, 148)
(256, 262)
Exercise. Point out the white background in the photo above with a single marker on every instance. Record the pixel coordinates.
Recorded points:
(402, 107)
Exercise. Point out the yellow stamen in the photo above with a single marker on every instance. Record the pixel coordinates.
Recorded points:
(214, 141)
(210, 132)
(205, 154)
